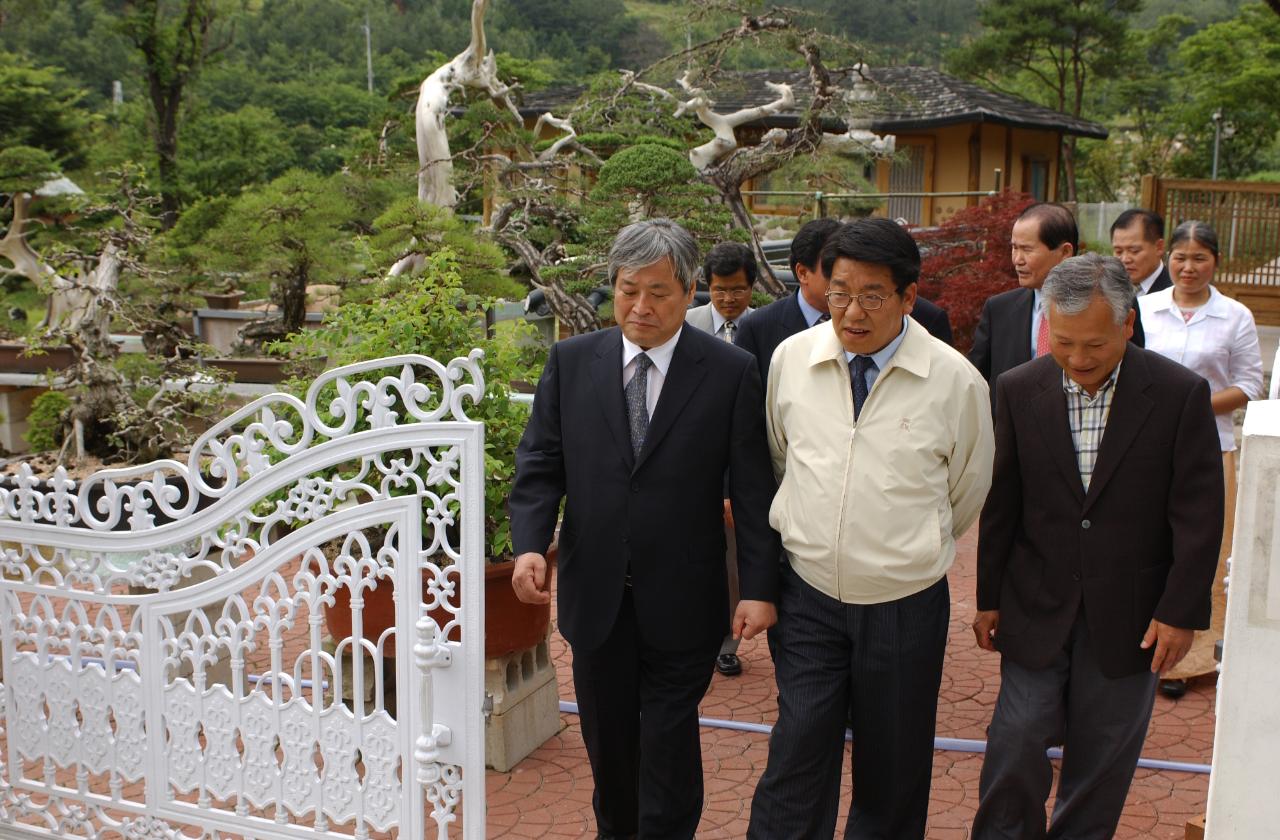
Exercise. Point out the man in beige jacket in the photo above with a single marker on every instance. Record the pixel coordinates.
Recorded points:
(882, 444)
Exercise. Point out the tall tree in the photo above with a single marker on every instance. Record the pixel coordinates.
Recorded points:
(175, 38)
(1232, 68)
(1060, 45)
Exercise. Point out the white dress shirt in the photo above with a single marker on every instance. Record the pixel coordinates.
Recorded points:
(1037, 313)
(1144, 287)
(718, 321)
(1274, 394)
(1220, 343)
(661, 358)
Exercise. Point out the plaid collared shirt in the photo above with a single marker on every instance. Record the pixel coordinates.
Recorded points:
(1087, 417)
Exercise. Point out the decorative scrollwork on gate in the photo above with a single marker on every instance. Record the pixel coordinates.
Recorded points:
(209, 648)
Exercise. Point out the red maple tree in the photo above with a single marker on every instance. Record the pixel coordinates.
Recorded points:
(967, 259)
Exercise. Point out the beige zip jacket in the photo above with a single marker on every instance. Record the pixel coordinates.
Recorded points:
(869, 512)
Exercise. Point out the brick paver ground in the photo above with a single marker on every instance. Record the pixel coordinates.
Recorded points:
(549, 793)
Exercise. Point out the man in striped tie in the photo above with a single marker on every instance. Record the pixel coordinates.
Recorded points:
(730, 271)
(634, 428)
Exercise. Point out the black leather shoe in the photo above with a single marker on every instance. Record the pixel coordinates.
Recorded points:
(728, 664)
(1173, 689)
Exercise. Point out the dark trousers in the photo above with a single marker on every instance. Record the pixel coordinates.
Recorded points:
(1101, 723)
(639, 714)
(878, 665)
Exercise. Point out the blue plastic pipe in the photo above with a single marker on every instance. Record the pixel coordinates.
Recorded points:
(969, 745)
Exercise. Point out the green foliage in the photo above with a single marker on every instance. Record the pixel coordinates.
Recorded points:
(585, 35)
(644, 168)
(430, 312)
(227, 151)
(46, 420)
(409, 227)
(25, 168)
(1055, 50)
(1232, 67)
(38, 107)
(1144, 134)
(647, 181)
(289, 232)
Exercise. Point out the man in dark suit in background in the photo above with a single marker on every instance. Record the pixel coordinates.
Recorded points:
(767, 327)
(1012, 328)
(1096, 552)
(762, 331)
(1137, 240)
(635, 427)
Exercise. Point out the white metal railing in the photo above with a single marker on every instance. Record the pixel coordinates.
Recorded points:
(166, 670)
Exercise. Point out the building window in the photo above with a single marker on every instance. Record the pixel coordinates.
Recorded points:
(1035, 178)
(907, 175)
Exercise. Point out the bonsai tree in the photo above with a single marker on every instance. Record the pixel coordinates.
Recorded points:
(116, 409)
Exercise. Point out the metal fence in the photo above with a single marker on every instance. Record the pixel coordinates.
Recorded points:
(1246, 217)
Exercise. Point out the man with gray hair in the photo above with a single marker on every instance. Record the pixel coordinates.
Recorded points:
(1096, 552)
(634, 427)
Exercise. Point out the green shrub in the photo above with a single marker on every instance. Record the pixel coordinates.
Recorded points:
(45, 423)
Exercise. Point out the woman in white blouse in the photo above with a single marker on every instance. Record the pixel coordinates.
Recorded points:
(1196, 325)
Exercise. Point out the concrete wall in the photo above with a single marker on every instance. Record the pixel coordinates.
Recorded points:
(15, 405)
(1246, 751)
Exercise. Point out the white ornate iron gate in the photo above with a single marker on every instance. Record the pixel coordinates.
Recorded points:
(166, 670)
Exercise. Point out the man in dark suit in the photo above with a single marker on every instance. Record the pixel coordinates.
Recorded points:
(1012, 328)
(1096, 553)
(634, 427)
(763, 330)
(1137, 240)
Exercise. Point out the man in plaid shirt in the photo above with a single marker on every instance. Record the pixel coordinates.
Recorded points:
(1096, 554)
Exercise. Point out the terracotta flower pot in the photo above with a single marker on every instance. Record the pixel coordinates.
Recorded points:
(510, 624)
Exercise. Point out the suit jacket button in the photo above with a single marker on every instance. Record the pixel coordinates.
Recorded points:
(1075, 576)
(1085, 524)
(635, 488)
(626, 538)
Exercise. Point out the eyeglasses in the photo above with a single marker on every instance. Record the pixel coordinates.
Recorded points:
(730, 294)
(841, 300)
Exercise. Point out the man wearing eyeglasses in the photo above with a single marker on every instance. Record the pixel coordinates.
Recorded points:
(881, 441)
(730, 270)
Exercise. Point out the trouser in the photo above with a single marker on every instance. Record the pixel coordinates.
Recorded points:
(878, 666)
(730, 644)
(1101, 723)
(639, 712)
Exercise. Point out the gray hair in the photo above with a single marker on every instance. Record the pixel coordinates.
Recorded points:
(644, 243)
(1073, 284)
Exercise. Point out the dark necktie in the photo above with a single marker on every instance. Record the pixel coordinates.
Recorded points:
(823, 318)
(637, 391)
(858, 368)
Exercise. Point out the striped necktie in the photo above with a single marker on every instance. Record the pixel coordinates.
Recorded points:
(637, 392)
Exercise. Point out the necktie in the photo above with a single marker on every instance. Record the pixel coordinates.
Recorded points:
(823, 318)
(637, 392)
(729, 329)
(1042, 335)
(858, 368)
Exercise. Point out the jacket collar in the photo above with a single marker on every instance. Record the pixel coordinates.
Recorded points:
(1216, 306)
(679, 384)
(912, 355)
(1130, 407)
